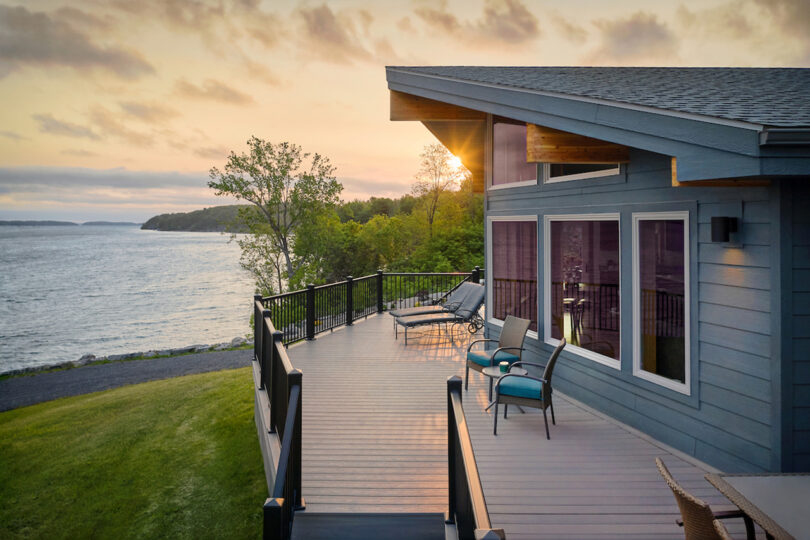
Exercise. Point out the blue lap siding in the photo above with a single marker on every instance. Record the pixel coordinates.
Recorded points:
(727, 420)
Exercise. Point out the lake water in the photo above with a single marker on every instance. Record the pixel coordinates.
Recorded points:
(67, 291)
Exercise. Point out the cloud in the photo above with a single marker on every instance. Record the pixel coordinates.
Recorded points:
(213, 90)
(82, 19)
(109, 125)
(49, 124)
(502, 21)
(637, 38)
(13, 135)
(212, 152)
(792, 17)
(148, 112)
(406, 25)
(78, 193)
(723, 20)
(333, 38)
(570, 31)
(36, 38)
(79, 153)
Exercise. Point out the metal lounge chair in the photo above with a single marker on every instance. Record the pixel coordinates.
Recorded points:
(527, 390)
(510, 347)
(697, 516)
(467, 313)
(453, 302)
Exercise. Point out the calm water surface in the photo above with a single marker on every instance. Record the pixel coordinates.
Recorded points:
(67, 291)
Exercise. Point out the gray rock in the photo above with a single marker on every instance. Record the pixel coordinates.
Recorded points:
(222, 346)
(202, 348)
(182, 350)
(87, 358)
(238, 341)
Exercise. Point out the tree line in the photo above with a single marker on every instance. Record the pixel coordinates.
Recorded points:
(299, 232)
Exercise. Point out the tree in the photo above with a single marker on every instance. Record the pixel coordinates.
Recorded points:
(437, 173)
(287, 188)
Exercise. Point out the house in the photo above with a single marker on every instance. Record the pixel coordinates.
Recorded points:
(659, 220)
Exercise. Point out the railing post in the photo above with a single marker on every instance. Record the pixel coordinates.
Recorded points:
(349, 301)
(273, 399)
(474, 277)
(266, 351)
(380, 306)
(293, 379)
(310, 311)
(453, 386)
(272, 511)
(257, 329)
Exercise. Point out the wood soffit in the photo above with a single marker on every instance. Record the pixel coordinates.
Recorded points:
(549, 145)
(407, 107)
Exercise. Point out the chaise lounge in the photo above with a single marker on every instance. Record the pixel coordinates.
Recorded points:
(467, 313)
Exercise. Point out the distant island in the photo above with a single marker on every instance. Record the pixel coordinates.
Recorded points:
(214, 219)
(49, 223)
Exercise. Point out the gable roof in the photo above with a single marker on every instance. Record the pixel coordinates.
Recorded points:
(774, 97)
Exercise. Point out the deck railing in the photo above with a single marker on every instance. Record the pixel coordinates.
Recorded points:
(305, 313)
(281, 383)
(467, 506)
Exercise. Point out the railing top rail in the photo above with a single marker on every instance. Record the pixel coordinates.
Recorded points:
(477, 500)
(371, 276)
(283, 295)
(457, 274)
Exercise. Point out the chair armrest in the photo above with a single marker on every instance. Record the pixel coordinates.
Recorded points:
(499, 349)
(522, 363)
(478, 341)
(729, 514)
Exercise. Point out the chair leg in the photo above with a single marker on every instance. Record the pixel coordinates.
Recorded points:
(545, 419)
(551, 405)
(490, 388)
(750, 534)
(467, 378)
(495, 425)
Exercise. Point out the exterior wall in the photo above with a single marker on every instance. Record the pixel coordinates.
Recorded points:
(731, 419)
(797, 201)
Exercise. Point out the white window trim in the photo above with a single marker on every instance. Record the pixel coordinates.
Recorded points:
(491, 274)
(513, 185)
(683, 388)
(548, 179)
(585, 353)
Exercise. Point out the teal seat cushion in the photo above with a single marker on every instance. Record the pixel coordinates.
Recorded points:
(521, 387)
(484, 358)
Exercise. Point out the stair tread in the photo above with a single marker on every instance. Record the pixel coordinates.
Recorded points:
(333, 526)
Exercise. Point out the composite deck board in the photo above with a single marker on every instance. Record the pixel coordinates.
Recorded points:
(375, 436)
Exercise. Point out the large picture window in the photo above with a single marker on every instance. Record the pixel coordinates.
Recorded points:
(661, 298)
(513, 260)
(582, 285)
(509, 166)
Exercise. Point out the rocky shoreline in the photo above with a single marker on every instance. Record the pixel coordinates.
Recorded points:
(92, 359)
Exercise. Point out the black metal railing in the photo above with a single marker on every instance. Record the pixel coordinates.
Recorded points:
(282, 384)
(467, 506)
(662, 313)
(594, 306)
(304, 314)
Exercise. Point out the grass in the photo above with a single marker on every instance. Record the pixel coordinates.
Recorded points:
(176, 458)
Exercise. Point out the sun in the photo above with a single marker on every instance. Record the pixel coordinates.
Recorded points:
(455, 162)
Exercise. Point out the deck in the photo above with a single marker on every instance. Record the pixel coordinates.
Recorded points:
(375, 440)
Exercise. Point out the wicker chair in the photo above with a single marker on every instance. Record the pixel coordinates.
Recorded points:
(510, 347)
(527, 390)
(697, 516)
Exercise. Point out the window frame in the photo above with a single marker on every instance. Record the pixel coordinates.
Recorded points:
(490, 274)
(685, 387)
(491, 121)
(547, 338)
(548, 179)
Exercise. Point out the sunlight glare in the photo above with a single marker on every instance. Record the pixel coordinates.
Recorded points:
(455, 162)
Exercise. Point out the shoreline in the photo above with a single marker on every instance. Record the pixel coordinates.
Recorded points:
(91, 359)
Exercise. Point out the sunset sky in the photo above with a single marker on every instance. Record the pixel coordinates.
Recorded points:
(116, 109)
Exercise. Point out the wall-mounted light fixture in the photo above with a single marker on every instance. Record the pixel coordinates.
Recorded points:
(722, 227)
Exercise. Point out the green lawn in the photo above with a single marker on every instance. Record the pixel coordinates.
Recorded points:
(173, 458)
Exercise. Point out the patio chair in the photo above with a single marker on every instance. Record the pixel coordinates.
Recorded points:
(451, 304)
(721, 530)
(510, 347)
(527, 390)
(697, 516)
(467, 314)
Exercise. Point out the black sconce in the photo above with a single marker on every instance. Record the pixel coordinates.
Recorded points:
(722, 227)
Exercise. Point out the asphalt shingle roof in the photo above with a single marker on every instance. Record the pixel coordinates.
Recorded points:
(777, 97)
